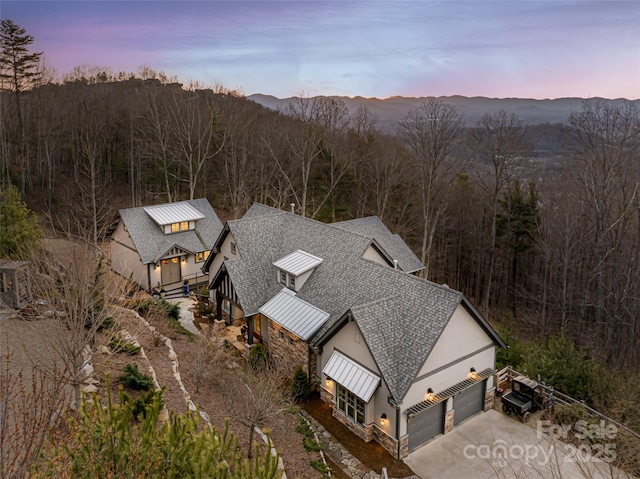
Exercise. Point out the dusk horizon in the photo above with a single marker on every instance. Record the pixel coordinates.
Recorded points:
(531, 49)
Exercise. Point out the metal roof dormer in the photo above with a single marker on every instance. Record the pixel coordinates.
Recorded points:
(295, 268)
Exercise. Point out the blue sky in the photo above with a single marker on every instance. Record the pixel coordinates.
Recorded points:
(517, 48)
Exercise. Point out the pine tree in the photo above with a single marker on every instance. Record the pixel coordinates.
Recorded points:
(19, 227)
(18, 67)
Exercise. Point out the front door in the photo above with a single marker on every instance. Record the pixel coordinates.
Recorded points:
(171, 270)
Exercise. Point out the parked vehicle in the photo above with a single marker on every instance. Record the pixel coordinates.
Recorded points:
(526, 397)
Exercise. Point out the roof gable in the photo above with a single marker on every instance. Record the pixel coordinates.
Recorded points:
(392, 244)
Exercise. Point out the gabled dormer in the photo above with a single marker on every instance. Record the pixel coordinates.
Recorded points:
(294, 269)
(174, 217)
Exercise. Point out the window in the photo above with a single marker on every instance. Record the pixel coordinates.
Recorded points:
(350, 404)
(290, 340)
(292, 282)
(280, 334)
(233, 248)
(283, 278)
(182, 226)
(200, 257)
(226, 306)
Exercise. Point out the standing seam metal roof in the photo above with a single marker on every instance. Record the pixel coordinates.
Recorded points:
(293, 314)
(173, 213)
(354, 377)
(298, 262)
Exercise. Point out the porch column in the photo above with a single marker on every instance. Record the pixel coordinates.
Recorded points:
(218, 306)
(249, 330)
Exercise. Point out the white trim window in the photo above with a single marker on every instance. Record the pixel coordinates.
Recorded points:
(350, 404)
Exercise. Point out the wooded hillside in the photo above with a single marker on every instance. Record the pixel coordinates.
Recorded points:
(552, 239)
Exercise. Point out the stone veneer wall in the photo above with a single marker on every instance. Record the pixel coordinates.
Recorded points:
(489, 398)
(386, 441)
(363, 432)
(448, 421)
(287, 356)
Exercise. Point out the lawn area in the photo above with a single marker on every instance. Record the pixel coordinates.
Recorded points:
(371, 454)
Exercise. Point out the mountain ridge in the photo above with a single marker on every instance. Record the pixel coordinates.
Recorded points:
(392, 110)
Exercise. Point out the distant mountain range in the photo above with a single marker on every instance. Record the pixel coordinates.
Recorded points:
(392, 110)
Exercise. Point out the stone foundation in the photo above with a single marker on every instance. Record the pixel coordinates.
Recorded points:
(448, 421)
(326, 396)
(363, 432)
(386, 441)
(489, 398)
(404, 446)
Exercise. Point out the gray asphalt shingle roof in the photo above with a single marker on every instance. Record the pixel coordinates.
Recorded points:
(400, 315)
(152, 243)
(393, 244)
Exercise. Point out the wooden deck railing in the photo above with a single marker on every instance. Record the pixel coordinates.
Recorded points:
(508, 373)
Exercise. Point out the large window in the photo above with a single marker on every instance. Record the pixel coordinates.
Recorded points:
(350, 404)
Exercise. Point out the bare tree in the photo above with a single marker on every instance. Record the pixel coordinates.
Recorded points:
(199, 134)
(31, 401)
(430, 131)
(498, 140)
(252, 397)
(607, 155)
(72, 300)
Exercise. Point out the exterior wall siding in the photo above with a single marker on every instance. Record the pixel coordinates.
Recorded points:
(461, 336)
(445, 378)
(125, 259)
(372, 255)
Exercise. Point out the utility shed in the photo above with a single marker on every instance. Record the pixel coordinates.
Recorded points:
(15, 287)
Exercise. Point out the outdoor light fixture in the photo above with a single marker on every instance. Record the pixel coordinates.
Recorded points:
(429, 394)
(383, 418)
(328, 382)
(472, 373)
(184, 259)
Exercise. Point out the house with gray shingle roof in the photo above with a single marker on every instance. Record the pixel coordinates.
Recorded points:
(400, 359)
(161, 246)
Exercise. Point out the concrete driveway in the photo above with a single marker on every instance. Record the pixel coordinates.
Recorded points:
(492, 444)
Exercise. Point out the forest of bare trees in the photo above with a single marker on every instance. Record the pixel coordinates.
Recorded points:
(553, 246)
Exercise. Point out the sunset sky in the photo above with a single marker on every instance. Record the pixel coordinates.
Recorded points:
(533, 49)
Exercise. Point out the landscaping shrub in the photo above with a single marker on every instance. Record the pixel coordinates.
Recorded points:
(117, 345)
(258, 357)
(173, 310)
(105, 441)
(140, 405)
(134, 379)
(107, 323)
(300, 387)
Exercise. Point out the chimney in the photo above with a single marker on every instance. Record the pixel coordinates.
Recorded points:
(293, 208)
(395, 264)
